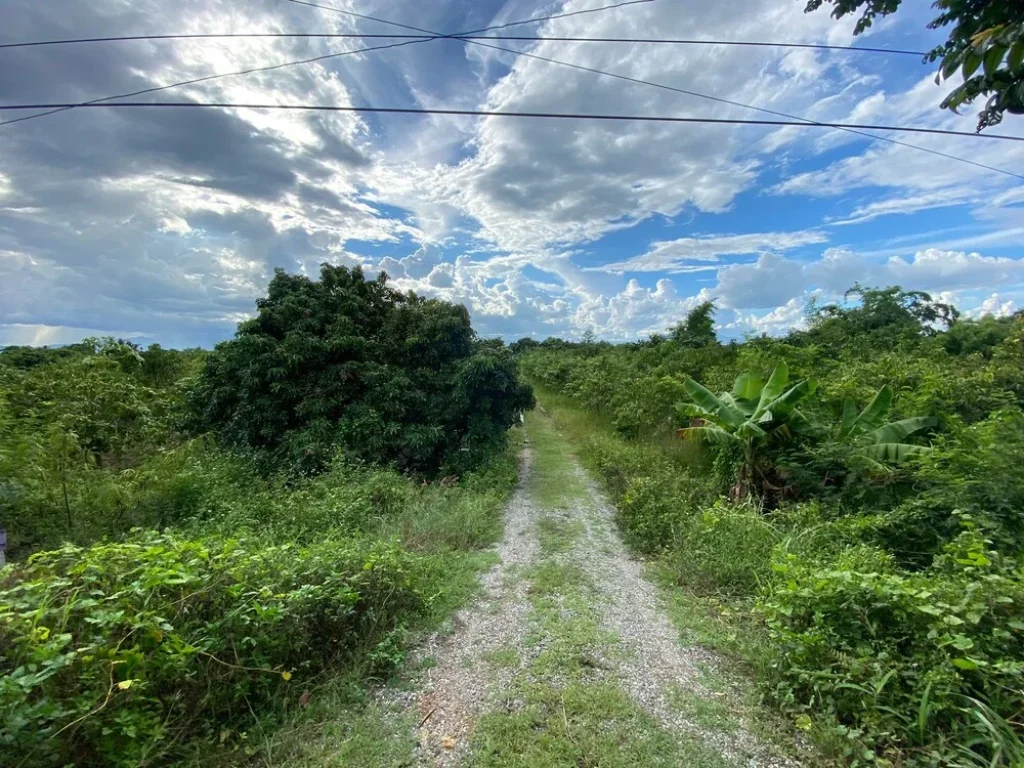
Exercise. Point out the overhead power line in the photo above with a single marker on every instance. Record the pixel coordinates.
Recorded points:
(687, 92)
(272, 67)
(506, 113)
(424, 38)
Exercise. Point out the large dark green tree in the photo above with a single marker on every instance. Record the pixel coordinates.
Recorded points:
(348, 364)
(985, 46)
(877, 317)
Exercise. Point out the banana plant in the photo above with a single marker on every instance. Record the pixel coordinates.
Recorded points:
(753, 415)
(877, 441)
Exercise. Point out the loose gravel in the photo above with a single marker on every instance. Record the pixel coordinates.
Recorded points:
(648, 661)
(652, 662)
(462, 681)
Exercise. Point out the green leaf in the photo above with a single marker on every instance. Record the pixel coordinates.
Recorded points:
(712, 433)
(785, 403)
(993, 58)
(747, 387)
(895, 431)
(849, 418)
(874, 414)
(776, 384)
(1016, 56)
(949, 65)
(710, 402)
(893, 453)
(971, 63)
(962, 642)
(965, 664)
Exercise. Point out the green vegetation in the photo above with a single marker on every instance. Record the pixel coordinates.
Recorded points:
(867, 564)
(348, 363)
(189, 595)
(985, 46)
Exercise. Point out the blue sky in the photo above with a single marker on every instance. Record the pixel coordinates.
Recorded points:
(165, 226)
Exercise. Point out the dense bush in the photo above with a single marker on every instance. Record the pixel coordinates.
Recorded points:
(88, 441)
(346, 362)
(929, 663)
(116, 654)
(884, 540)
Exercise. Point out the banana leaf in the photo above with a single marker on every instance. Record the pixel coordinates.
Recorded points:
(774, 388)
(716, 408)
(896, 431)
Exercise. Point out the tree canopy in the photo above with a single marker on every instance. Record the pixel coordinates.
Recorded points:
(985, 45)
(698, 329)
(350, 364)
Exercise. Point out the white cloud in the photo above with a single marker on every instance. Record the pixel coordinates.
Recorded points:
(535, 184)
(906, 205)
(994, 306)
(934, 269)
(769, 282)
(170, 222)
(671, 255)
(635, 311)
(773, 280)
(778, 321)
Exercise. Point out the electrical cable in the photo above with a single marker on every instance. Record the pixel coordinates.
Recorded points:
(253, 70)
(843, 127)
(520, 38)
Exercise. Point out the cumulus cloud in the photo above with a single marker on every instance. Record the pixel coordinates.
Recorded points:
(778, 321)
(769, 282)
(167, 224)
(532, 184)
(773, 281)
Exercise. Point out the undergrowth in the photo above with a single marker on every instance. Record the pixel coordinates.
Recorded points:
(141, 652)
(881, 665)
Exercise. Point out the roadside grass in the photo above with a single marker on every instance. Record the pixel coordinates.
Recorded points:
(555, 482)
(335, 720)
(703, 710)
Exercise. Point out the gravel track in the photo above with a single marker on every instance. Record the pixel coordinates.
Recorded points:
(648, 661)
(653, 661)
(462, 684)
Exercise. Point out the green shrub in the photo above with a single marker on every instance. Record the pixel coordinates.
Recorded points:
(726, 548)
(904, 665)
(974, 471)
(346, 363)
(120, 653)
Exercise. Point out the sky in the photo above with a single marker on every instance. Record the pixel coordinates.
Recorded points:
(165, 225)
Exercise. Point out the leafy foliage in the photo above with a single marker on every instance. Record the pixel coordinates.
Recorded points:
(348, 363)
(985, 46)
(698, 329)
(885, 567)
(113, 655)
(85, 433)
(754, 415)
(896, 658)
(239, 588)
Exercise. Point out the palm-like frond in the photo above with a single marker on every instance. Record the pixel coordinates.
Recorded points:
(711, 433)
(893, 453)
(872, 417)
(896, 431)
(716, 408)
(774, 388)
